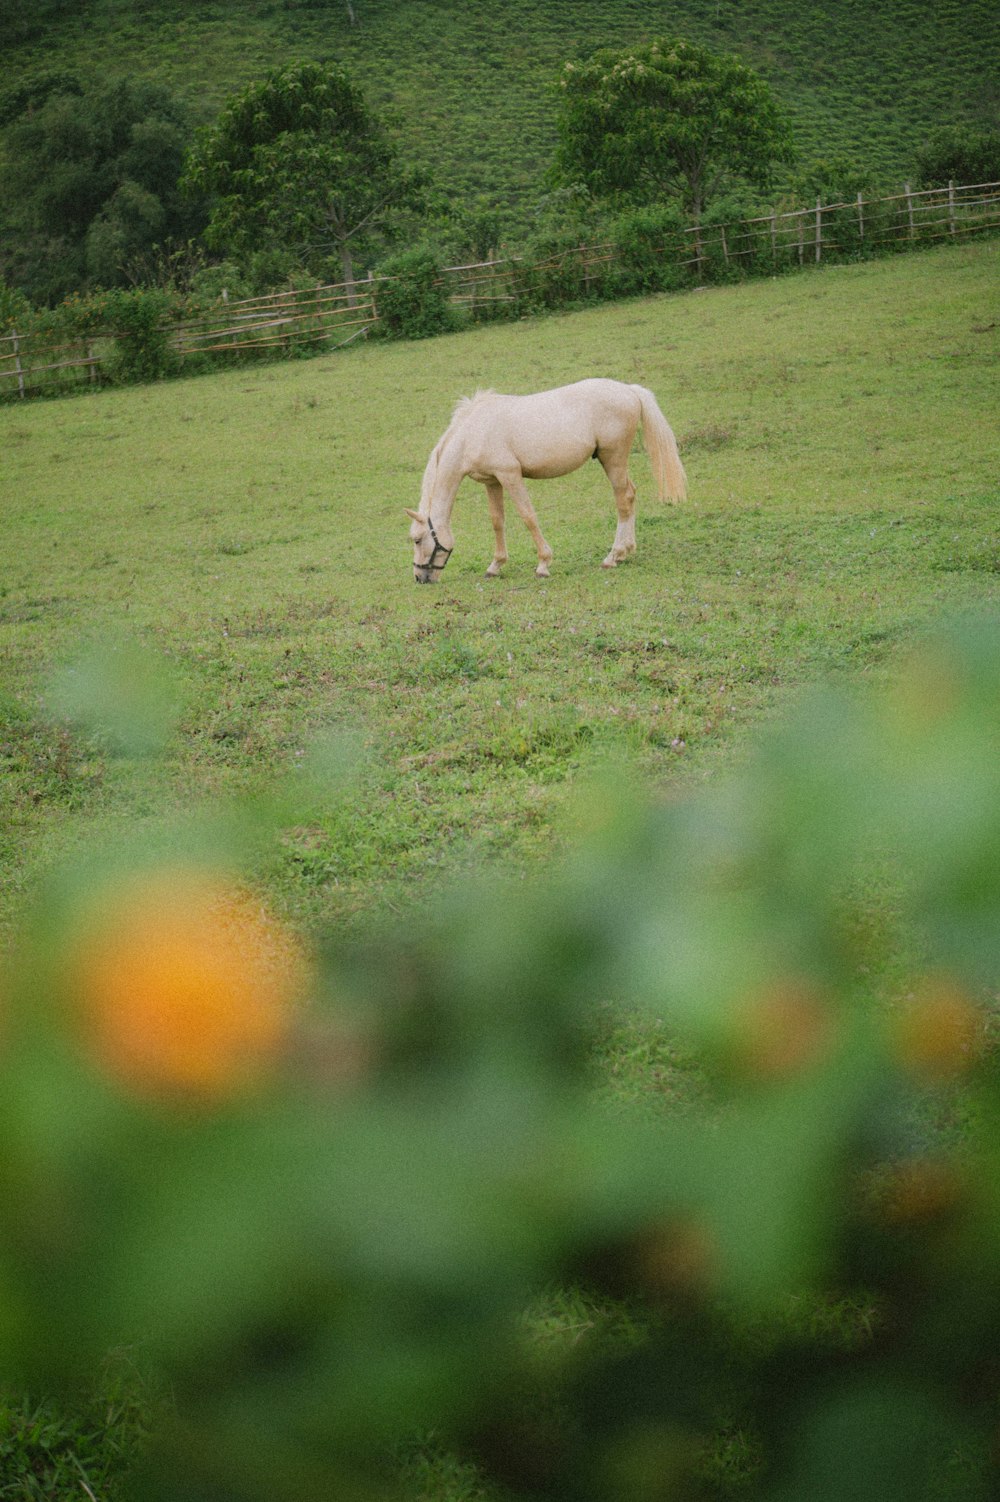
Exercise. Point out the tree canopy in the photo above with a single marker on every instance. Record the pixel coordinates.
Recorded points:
(960, 153)
(89, 183)
(298, 160)
(667, 119)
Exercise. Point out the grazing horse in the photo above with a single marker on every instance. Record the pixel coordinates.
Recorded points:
(503, 440)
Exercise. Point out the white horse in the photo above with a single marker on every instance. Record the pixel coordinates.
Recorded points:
(503, 440)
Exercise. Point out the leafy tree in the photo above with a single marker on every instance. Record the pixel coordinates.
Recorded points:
(959, 154)
(298, 159)
(88, 181)
(832, 178)
(667, 119)
(28, 93)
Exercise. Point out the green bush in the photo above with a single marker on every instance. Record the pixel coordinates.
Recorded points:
(411, 299)
(960, 154)
(736, 239)
(14, 307)
(562, 269)
(649, 245)
(336, 1194)
(141, 321)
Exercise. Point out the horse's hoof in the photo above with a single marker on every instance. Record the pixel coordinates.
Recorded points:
(542, 572)
(610, 563)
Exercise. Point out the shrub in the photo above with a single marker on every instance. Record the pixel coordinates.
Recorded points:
(142, 351)
(731, 247)
(959, 154)
(650, 246)
(14, 306)
(411, 298)
(562, 269)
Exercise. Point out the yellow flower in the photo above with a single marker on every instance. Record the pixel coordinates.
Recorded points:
(186, 985)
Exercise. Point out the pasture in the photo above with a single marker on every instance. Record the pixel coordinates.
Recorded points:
(839, 436)
(838, 431)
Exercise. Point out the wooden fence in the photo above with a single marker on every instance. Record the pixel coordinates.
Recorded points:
(283, 320)
(802, 236)
(33, 361)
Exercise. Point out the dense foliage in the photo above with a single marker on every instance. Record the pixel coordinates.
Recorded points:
(325, 1222)
(957, 155)
(298, 162)
(480, 113)
(89, 184)
(667, 121)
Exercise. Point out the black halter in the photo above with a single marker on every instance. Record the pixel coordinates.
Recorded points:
(439, 547)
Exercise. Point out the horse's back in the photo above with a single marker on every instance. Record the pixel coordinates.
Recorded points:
(547, 433)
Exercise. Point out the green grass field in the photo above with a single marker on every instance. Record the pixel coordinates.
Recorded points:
(838, 429)
(839, 434)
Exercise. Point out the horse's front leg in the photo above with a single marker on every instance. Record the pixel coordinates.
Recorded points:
(513, 483)
(494, 494)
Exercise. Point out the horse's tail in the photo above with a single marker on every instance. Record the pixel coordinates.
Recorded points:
(661, 445)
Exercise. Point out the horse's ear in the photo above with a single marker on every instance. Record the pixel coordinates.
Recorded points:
(413, 515)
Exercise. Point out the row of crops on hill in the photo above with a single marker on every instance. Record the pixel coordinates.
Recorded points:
(468, 97)
(472, 84)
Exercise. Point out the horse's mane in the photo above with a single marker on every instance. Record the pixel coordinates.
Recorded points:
(462, 407)
(464, 403)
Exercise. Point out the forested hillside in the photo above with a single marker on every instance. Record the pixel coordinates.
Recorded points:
(472, 83)
(466, 90)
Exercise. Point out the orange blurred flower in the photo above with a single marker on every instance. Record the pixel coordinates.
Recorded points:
(938, 1033)
(920, 1192)
(186, 985)
(781, 1030)
(679, 1257)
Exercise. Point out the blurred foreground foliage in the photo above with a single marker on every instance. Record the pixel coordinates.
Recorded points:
(320, 1188)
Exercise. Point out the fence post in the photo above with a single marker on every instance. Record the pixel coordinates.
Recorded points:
(909, 209)
(801, 221)
(725, 247)
(17, 361)
(774, 234)
(819, 231)
(951, 204)
(861, 220)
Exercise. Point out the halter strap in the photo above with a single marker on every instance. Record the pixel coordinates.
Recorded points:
(439, 547)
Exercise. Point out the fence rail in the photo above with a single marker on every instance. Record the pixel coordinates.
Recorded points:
(33, 361)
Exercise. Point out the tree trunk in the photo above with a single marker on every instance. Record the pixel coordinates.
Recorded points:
(347, 270)
(341, 238)
(699, 248)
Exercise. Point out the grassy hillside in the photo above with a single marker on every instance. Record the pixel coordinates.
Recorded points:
(842, 456)
(472, 83)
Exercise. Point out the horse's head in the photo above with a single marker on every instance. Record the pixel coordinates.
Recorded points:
(431, 547)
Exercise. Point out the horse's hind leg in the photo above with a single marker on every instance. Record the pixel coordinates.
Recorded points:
(513, 483)
(616, 468)
(494, 494)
